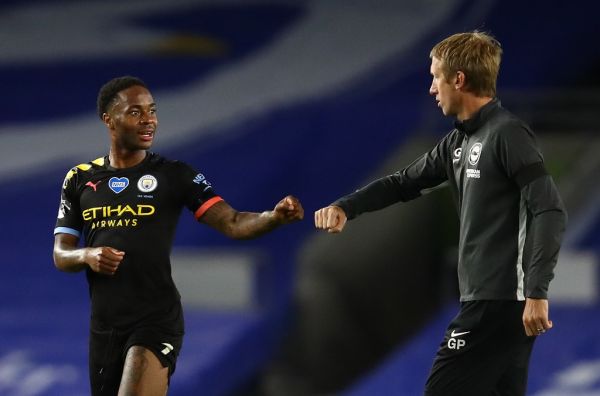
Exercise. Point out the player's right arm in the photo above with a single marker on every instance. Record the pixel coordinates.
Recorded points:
(69, 257)
(426, 172)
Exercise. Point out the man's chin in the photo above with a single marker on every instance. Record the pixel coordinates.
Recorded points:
(144, 146)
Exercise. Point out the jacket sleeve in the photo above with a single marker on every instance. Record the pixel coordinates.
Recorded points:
(548, 222)
(524, 163)
(409, 183)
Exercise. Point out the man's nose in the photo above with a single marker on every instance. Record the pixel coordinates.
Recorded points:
(432, 90)
(147, 118)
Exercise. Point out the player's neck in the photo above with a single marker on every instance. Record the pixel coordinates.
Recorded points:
(471, 105)
(125, 159)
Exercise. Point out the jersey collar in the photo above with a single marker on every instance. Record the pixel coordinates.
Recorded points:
(109, 167)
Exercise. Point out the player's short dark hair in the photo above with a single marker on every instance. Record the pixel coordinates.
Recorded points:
(110, 90)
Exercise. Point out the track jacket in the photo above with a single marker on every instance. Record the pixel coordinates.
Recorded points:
(511, 216)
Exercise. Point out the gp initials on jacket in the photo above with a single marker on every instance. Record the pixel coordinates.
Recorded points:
(454, 343)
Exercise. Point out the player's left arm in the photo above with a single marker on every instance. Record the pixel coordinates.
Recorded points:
(544, 238)
(247, 225)
(518, 152)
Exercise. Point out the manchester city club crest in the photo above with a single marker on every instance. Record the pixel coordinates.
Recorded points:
(147, 183)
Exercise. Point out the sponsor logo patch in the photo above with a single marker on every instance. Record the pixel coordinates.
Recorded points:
(455, 334)
(93, 185)
(457, 154)
(200, 179)
(64, 207)
(168, 348)
(473, 173)
(118, 184)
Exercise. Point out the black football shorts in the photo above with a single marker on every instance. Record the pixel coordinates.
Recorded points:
(108, 348)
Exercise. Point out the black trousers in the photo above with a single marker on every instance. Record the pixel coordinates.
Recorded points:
(485, 352)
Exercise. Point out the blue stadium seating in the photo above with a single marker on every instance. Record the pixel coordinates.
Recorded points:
(253, 160)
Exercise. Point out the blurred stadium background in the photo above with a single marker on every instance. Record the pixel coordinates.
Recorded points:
(312, 98)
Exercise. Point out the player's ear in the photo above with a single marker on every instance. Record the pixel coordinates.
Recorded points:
(108, 121)
(459, 80)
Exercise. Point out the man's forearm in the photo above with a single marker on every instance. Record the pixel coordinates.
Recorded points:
(248, 225)
(67, 256)
(376, 195)
(70, 260)
(239, 225)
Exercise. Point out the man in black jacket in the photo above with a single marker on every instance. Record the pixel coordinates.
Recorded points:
(511, 222)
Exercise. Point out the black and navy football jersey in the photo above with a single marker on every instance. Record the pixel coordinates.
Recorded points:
(135, 210)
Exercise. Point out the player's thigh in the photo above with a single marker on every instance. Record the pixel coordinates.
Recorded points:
(143, 374)
(105, 361)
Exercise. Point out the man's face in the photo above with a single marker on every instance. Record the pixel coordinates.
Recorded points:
(445, 92)
(133, 119)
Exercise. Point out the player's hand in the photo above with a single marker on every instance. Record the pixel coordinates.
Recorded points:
(535, 317)
(104, 260)
(331, 218)
(288, 210)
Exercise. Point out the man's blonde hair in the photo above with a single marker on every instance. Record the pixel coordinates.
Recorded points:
(476, 54)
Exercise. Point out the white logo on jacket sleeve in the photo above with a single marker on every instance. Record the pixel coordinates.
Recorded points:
(147, 183)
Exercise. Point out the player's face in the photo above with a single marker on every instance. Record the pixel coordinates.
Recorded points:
(444, 91)
(133, 118)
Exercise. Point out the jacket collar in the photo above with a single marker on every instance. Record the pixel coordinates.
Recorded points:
(471, 125)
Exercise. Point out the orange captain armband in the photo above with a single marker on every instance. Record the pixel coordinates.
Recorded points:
(205, 206)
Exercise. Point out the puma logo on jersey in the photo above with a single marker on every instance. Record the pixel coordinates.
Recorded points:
(168, 348)
(94, 186)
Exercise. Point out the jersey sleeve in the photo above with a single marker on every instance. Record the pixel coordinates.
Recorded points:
(69, 219)
(199, 194)
(425, 172)
(519, 153)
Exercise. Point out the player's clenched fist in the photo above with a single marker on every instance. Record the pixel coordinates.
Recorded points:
(288, 210)
(331, 218)
(104, 260)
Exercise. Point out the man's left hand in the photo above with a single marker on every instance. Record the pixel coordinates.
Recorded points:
(535, 317)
